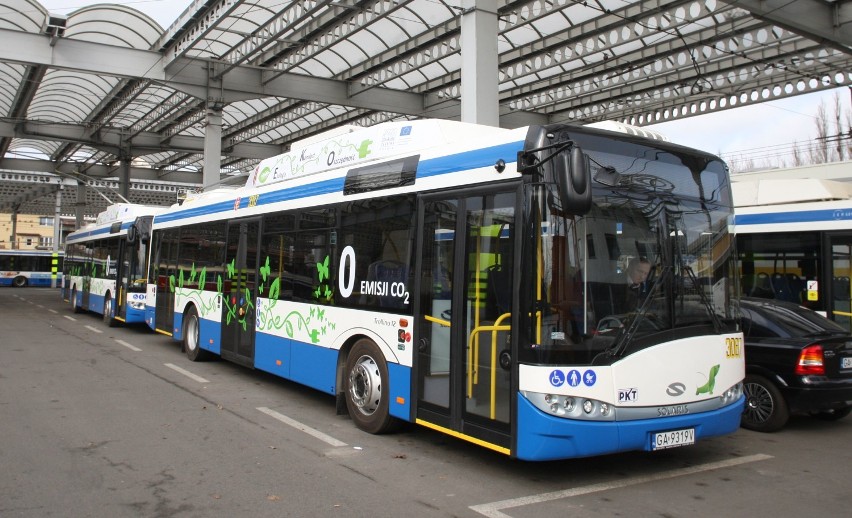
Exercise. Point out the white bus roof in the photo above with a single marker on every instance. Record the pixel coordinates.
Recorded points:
(767, 192)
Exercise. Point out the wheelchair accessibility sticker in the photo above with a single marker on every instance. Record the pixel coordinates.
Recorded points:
(573, 377)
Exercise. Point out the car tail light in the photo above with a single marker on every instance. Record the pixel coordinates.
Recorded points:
(811, 362)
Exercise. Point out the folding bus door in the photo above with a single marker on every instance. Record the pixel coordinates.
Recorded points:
(839, 273)
(464, 313)
(239, 292)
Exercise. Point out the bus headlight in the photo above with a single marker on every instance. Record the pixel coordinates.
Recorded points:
(572, 408)
(731, 395)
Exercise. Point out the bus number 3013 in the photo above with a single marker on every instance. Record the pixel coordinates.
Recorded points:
(380, 288)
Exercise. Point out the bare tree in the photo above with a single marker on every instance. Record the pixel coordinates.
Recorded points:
(819, 154)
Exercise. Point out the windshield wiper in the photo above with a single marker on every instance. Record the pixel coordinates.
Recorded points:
(717, 325)
(626, 336)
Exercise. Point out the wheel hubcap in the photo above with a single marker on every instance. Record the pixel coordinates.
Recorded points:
(192, 333)
(759, 403)
(365, 385)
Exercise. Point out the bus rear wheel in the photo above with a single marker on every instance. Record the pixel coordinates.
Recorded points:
(74, 303)
(192, 336)
(20, 281)
(366, 385)
(109, 309)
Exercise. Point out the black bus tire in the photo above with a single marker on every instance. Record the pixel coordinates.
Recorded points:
(366, 388)
(109, 310)
(74, 305)
(192, 336)
(20, 281)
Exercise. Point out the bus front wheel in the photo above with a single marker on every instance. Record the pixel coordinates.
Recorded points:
(20, 281)
(367, 389)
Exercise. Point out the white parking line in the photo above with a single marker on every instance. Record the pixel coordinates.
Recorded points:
(72, 319)
(131, 347)
(493, 509)
(299, 426)
(93, 329)
(186, 373)
(53, 311)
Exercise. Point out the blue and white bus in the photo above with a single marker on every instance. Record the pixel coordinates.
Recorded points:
(21, 268)
(470, 279)
(106, 263)
(794, 238)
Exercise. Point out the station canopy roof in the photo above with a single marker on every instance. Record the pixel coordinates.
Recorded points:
(82, 92)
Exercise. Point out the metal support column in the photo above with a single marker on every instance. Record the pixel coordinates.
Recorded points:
(212, 146)
(479, 80)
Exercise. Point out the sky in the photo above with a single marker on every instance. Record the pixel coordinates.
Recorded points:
(737, 131)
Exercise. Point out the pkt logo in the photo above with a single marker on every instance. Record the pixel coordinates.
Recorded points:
(630, 395)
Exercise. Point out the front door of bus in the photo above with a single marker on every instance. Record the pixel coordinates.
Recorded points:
(238, 292)
(464, 312)
(839, 273)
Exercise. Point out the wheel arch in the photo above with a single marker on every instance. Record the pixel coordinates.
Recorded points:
(768, 374)
(346, 346)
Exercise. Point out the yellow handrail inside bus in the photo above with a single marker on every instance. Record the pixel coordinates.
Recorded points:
(474, 344)
(439, 321)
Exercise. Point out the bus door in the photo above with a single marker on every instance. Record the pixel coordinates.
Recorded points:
(463, 311)
(839, 273)
(239, 292)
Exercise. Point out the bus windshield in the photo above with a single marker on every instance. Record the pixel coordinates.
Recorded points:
(651, 261)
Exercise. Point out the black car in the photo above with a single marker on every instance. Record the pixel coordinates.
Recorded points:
(797, 361)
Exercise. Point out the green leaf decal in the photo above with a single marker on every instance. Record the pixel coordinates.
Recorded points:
(275, 289)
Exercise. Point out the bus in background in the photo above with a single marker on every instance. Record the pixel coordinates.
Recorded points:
(106, 262)
(21, 268)
(794, 239)
(471, 279)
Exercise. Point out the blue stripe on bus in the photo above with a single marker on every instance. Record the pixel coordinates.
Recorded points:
(469, 160)
(804, 216)
(432, 167)
(82, 235)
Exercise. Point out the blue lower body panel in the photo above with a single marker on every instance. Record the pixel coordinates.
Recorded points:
(544, 437)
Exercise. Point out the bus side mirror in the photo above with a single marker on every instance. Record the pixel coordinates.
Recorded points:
(131, 234)
(573, 176)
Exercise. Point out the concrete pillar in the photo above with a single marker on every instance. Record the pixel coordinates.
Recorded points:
(479, 100)
(124, 178)
(80, 205)
(14, 237)
(212, 146)
(57, 232)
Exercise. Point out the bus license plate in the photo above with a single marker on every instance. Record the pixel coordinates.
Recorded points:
(673, 439)
(846, 363)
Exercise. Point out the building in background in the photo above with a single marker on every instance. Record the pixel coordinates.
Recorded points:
(32, 232)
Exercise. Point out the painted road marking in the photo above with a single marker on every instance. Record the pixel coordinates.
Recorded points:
(53, 311)
(72, 319)
(492, 510)
(93, 329)
(299, 426)
(186, 373)
(131, 347)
